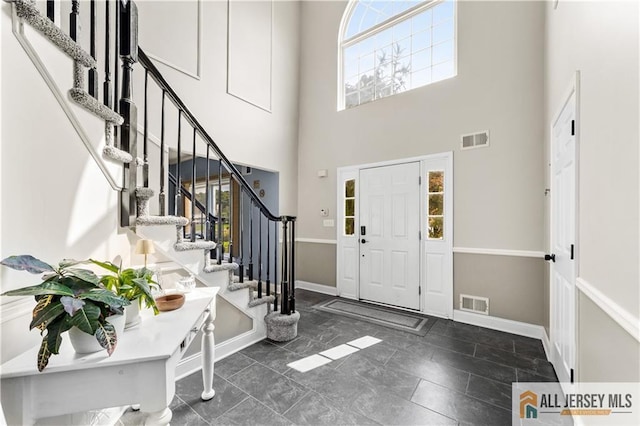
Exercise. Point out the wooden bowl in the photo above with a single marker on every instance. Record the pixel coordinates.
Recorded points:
(170, 302)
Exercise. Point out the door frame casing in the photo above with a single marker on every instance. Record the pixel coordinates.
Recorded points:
(347, 280)
(573, 89)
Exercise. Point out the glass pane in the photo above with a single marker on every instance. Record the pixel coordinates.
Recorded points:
(421, 21)
(443, 31)
(442, 71)
(421, 40)
(349, 207)
(352, 99)
(436, 181)
(421, 78)
(384, 38)
(348, 226)
(403, 47)
(402, 30)
(421, 60)
(436, 228)
(350, 188)
(443, 52)
(435, 204)
(443, 12)
(366, 62)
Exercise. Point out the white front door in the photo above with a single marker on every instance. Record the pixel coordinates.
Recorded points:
(389, 234)
(563, 239)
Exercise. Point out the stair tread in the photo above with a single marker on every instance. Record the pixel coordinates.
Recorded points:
(261, 301)
(161, 220)
(194, 245)
(91, 104)
(222, 267)
(30, 13)
(117, 154)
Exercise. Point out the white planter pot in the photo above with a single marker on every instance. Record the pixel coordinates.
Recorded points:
(84, 343)
(132, 314)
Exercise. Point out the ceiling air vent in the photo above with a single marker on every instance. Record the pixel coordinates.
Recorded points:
(477, 304)
(475, 140)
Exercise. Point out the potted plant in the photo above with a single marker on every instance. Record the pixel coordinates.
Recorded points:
(135, 285)
(68, 297)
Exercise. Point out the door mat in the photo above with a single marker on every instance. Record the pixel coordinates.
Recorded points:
(388, 317)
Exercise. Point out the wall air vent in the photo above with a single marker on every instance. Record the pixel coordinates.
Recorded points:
(477, 304)
(475, 140)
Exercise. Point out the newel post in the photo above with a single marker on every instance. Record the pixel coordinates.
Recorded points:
(129, 131)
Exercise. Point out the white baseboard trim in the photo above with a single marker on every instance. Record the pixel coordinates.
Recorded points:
(318, 288)
(624, 318)
(500, 324)
(499, 252)
(546, 344)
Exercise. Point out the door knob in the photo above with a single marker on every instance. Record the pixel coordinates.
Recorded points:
(363, 241)
(551, 257)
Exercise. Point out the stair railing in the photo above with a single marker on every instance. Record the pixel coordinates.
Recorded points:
(247, 232)
(257, 230)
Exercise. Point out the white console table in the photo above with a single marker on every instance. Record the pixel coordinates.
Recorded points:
(140, 371)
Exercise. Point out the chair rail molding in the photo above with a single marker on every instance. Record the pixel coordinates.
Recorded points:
(624, 318)
(499, 252)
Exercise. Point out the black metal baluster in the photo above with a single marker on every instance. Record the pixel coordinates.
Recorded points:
(145, 143)
(74, 20)
(116, 71)
(106, 87)
(285, 294)
(275, 266)
(207, 227)
(260, 255)
(193, 188)
(231, 227)
(220, 215)
(51, 10)
(241, 243)
(93, 73)
(268, 258)
(128, 109)
(292, 277)
(178, 195)
(250, 267)
(162, 195)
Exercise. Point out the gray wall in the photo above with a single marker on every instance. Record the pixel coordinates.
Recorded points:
(498, 191)
(316, 263)
(603, 45)
(514, 285)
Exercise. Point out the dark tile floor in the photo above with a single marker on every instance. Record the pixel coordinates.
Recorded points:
(456, 374)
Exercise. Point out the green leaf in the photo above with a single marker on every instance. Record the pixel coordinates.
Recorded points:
(45, 312)
(26, 263)
(106, 336)
(107, 265)
(54, 333)
(65, 263)
(84, 275)
(106, 297)
(43, 355)
(86, 319)
(46, 288)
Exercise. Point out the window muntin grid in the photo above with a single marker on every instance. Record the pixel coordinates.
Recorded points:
(400, 52)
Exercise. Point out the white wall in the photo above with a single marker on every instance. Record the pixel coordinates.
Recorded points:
(600, 39)
(246, 133)
(55, 201)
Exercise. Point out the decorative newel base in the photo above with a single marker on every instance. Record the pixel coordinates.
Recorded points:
(282, 328)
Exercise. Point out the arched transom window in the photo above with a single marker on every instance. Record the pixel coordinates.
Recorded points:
(389, 47)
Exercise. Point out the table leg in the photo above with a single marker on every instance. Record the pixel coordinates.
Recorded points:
(159, 418)
(208, 356)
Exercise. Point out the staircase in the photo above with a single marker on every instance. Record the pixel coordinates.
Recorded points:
(178, 188)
